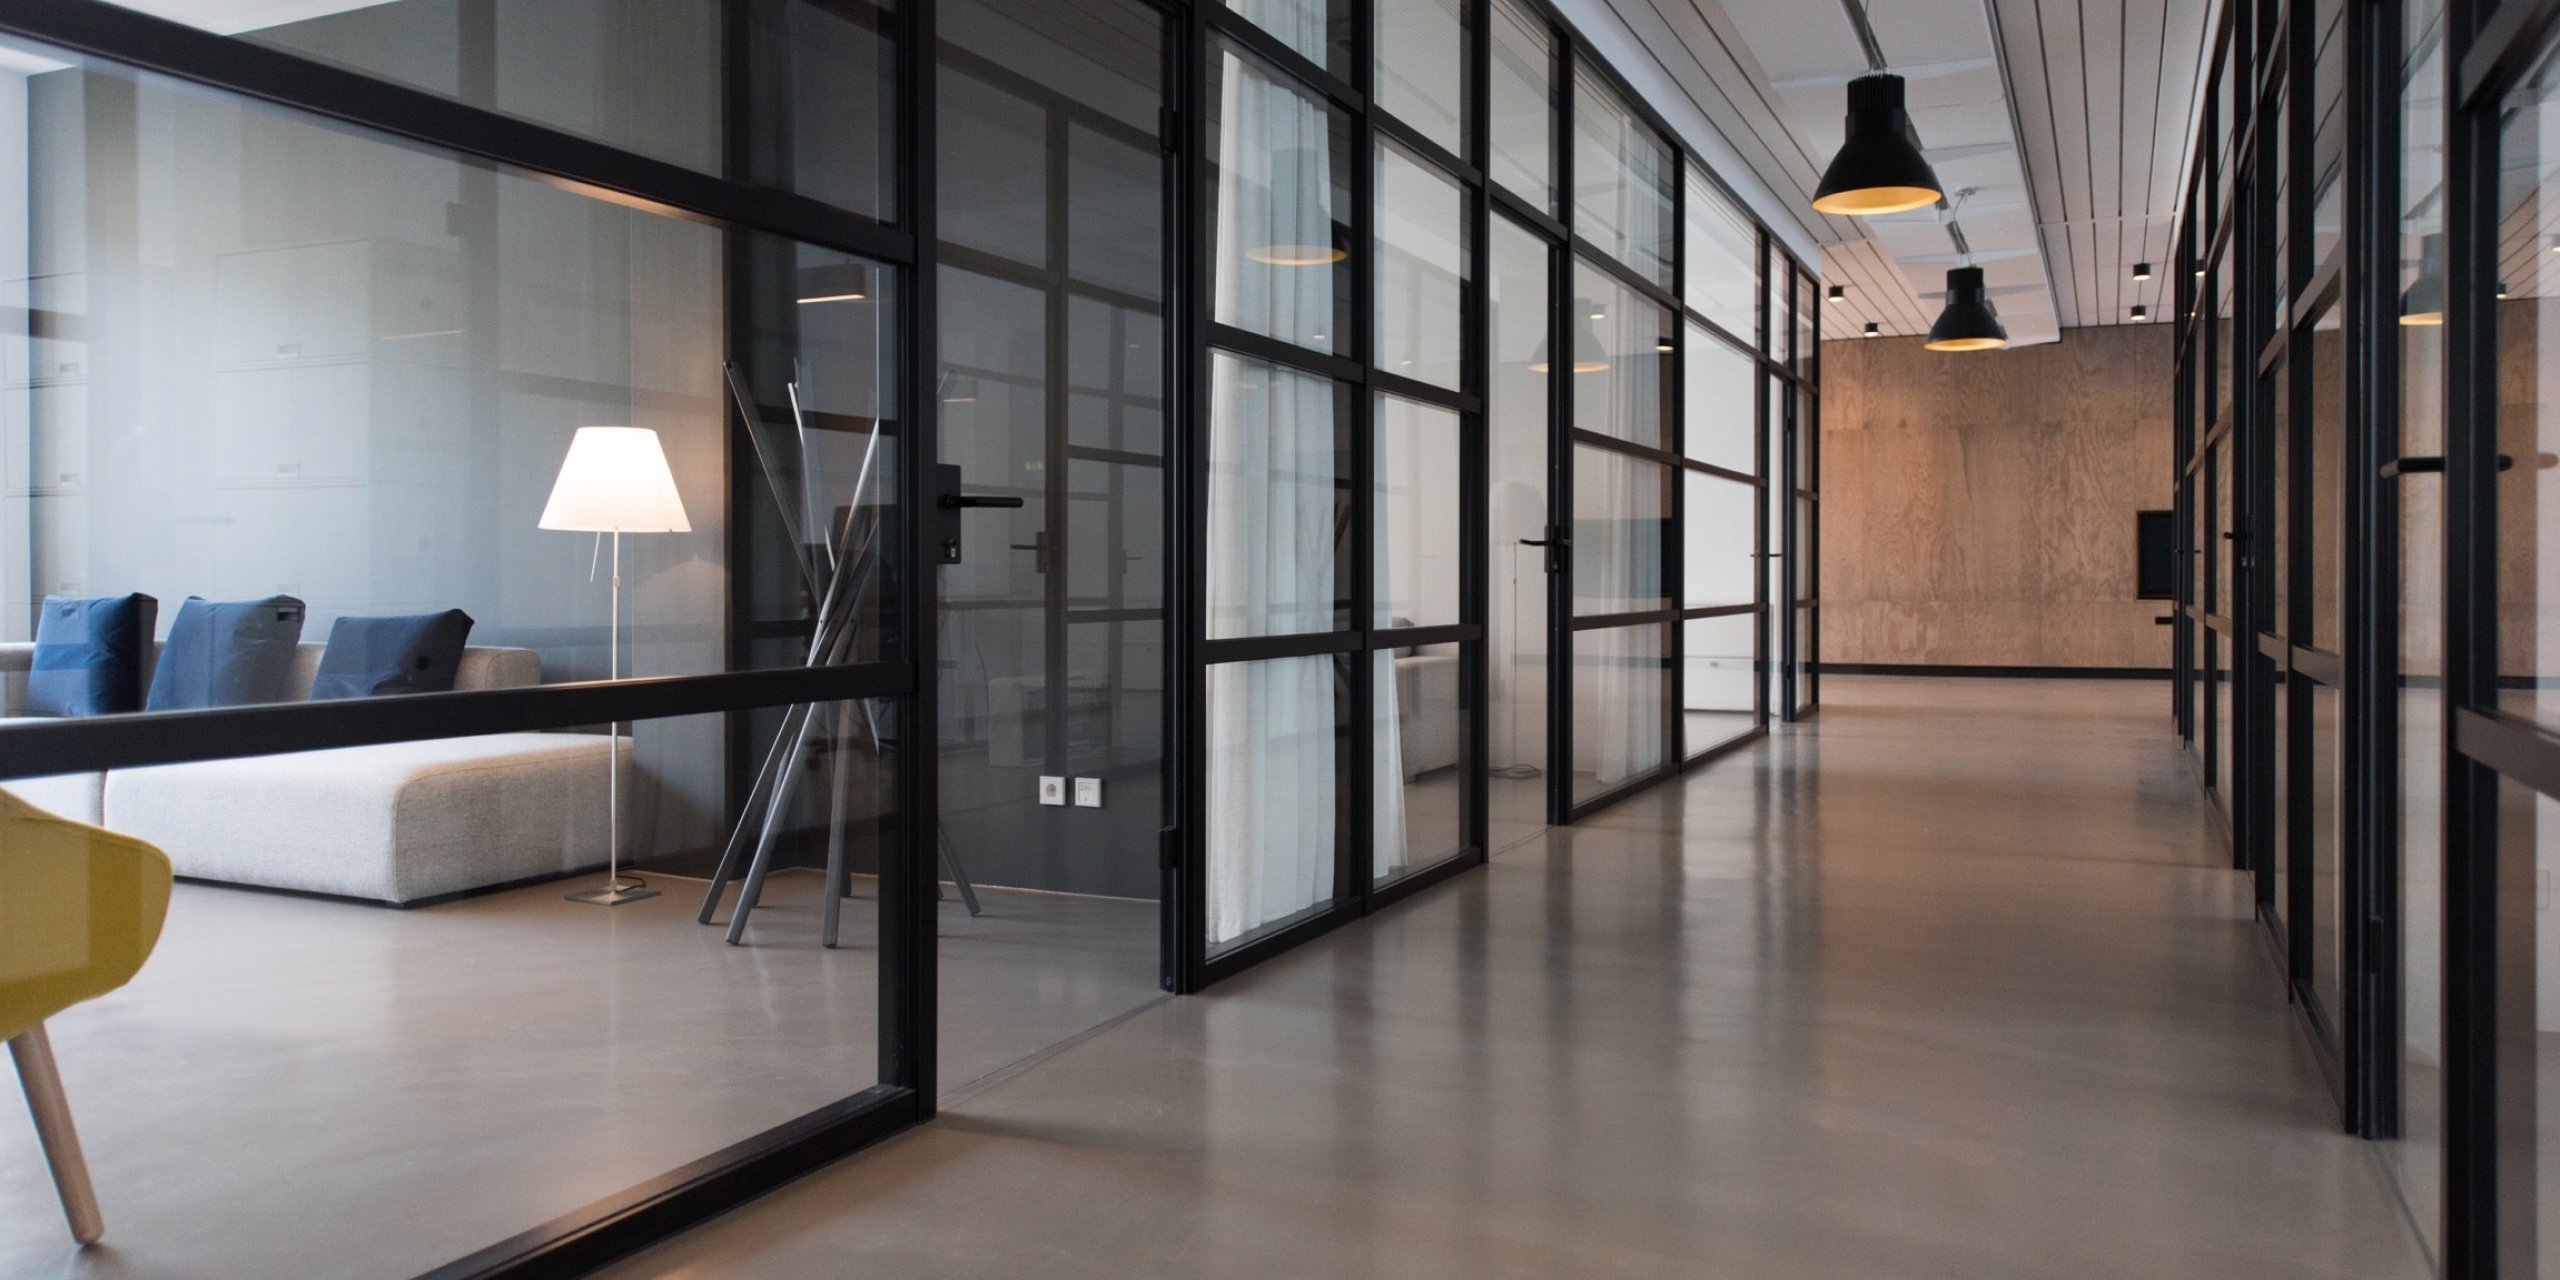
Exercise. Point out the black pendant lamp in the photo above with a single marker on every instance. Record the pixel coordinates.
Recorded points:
(1589, 356)
(2423, 303)
(1879, 169)
(1968, 322)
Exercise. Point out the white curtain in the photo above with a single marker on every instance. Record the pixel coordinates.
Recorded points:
(1273, 739)
(1275, 191)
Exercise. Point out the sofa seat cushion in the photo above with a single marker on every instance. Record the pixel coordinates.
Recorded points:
(393, 823)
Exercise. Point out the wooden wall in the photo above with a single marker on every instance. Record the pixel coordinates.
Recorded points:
(1978, 508)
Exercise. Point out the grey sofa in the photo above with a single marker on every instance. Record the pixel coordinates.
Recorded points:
(399, 823)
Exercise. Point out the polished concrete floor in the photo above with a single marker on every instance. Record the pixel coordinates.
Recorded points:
(299, 1088)
(1949, 982)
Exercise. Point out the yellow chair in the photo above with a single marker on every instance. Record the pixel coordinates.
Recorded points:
(80, 909)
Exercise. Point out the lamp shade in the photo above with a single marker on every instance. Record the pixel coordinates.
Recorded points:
(615, 480)
(1878, 168)
(1590, 355)
(1302, 227)
(1968, 323)
(2423, 302)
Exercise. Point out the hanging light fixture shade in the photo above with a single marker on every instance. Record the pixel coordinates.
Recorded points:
(1968, 322)
(1302, 231)
(1879, 169)
(1589, 356)
(2423, 303)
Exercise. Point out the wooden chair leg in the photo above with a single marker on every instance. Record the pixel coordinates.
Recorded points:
(43, 1083)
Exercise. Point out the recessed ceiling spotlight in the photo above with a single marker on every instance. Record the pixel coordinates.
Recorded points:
(2142, 271)
(1873, 331)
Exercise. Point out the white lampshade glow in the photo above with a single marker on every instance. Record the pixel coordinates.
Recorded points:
(615, 479)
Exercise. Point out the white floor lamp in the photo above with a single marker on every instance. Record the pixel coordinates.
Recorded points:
(615, 480)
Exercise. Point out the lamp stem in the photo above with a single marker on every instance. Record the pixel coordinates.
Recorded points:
(613, 734)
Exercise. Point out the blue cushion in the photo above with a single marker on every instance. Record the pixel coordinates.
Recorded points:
(406, 653)
(225, 653)
(89, 653)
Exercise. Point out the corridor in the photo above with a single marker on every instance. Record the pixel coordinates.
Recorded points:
(1951, 981)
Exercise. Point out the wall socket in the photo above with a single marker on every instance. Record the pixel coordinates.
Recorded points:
(1088, 793)
(1053, 790)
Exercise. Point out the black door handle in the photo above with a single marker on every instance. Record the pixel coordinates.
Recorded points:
(2429, 462)
(955, 501)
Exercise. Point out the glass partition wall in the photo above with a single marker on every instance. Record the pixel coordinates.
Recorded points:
(956, 518)
(458, 477)
(2364, 455)
(1479, 485)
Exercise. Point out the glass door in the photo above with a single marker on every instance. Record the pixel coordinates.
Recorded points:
(1051, 266)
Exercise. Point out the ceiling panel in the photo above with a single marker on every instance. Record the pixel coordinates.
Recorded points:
(2069, 122)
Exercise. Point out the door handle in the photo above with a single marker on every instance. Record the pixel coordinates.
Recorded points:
(1038, 547)
(1554, 542)
(2424, 463)
(944, 534)
(956, 501)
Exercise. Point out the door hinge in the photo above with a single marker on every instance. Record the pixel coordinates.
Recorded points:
(1168, 129)
(1169, 847)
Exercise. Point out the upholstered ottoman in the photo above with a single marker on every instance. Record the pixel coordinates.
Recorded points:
(400, 823)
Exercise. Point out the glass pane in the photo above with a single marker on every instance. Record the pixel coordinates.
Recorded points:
(2281, 298)
(1276, 793)
(1516, 411)
(1620, 510)
(1803, 353)
(1805, 553)
(1417, 514)
(2326, 887)
(1622, 174)
(2528, 854)
(1422, 67)
(1722, 278)
(2226, 591)
(1417, 738)
(2328, 429)
(2275, 556)
(1318, 30)
(2417, 1158)
(1052, 633)
(356, 374)
(266, 1021)
(2528, 493)
(1280, 204)
(2280, 864)
(1722, 417)
(1621, 685)
(1422, 269)
(2328, 218)
(1716, 689)
(1523, 94)
(1773, 313)
(1717, 554)
(642, 75)
(1279, 500)
(1622, 346)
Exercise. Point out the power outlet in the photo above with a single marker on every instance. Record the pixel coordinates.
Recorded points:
(1088, 793)
(1053, 790)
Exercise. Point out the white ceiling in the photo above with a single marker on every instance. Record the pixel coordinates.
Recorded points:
(2069, 120)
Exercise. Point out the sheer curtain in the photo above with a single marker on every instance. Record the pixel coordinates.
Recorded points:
(1275, 507)
(1273, 498)
(1275, 208)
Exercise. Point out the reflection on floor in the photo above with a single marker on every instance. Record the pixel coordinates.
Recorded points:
(1949, 981)
(290, 1077)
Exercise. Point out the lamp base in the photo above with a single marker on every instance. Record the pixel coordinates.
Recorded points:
(613, 894)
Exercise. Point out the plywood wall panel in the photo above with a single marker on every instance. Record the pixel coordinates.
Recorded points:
(1978, 509)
